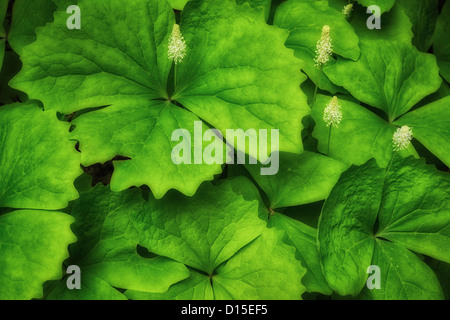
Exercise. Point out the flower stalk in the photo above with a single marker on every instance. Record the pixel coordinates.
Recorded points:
(177, 48)
(324, 50)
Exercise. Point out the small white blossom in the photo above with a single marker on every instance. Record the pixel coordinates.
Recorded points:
(347, 10)
(332, 115)
(402, 138)
(177, 45)
(324, 48)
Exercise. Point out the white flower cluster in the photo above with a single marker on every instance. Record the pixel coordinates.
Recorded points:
(177, 45)
(402, 138)
(324, 48)
(332, 115)
(347, 11)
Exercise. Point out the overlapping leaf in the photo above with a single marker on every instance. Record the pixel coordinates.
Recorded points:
(441, 46)
(219, 235)
(395, 25)
(304, 239)
(403, 275)
(361, 135)
(305, 20)
(142, 131)
(442, 271)
(106, 248)
(431, 126)
(238, 74)
(38, 161)
(200, 231)
(296, 233)
(264, 269)
(28, 16)
(92, 288)
(178, 4)
(411, 204)
(196, 287)
(33, 245)
(391, 76)
(423, 15)
(123, 54)
(384, 5)
(265, 4)
(301, 179)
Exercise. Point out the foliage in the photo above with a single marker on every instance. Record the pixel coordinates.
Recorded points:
(106, 100)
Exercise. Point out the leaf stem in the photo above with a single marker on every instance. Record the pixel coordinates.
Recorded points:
(390, 163)
(175, 78)
(317, 85)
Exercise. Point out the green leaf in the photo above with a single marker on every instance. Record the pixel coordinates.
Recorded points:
(196, 287)
(344, 234)
(239, 75)
(442, 271)
(107, 241)
(423, 15)
(441, 45)
(122, 52)
(304, 239)
(390, 76)
(3, 8)
(431, 126)
(338, 4)
(201, 232)
(361, 135)
(142, 131)
(265, 4)
(123, 59)
(395, 25)
(33, 246)
(27, 16)
(178, 4)
(304, 178)
(403, 276)
(39, 162)
(264, 269)
(243, 186)
(304, 20)
(411, 204)
(92, 288)
(385, 5)
(415, 210)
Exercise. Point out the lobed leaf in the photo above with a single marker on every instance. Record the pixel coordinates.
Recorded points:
(301, 179)
(304, 20)
(38, 161)
(106, 248)
(390, 76)
(202, 231)
(123, 54)
(360, 135)
(431, 125)
(410, 203)
(33, 246)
